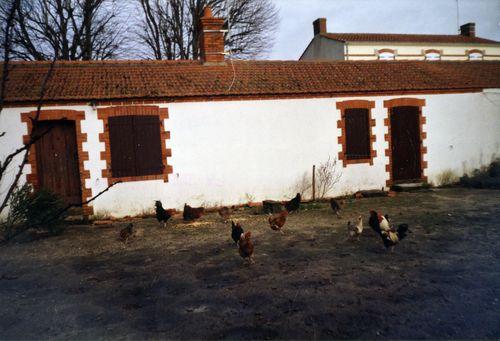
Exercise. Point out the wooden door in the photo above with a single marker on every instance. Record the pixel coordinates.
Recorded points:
(405, 143)
(57, 160)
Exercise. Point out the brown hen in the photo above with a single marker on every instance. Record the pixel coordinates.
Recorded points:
(278, 220)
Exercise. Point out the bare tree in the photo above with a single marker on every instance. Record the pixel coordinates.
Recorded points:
(6, 46)
(65, 29)
(10, 8)
(171, 28)
(328, 176)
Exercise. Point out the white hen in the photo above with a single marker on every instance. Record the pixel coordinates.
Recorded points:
(354, 231)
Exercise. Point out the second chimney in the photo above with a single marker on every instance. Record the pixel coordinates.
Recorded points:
(468, 30)
(319, 26)
(212, 38)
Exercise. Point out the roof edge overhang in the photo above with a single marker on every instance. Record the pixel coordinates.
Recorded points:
(370, 42)
(237, 97)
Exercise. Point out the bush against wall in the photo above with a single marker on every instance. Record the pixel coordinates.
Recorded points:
(39, 210)
(447, 178)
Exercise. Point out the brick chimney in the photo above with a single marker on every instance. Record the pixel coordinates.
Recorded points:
(212, 38)
(468, 30)
(319, 26)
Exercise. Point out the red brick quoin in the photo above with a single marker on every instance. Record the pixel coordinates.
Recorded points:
(104, 113)
(352, 104)
(398, 102)
(48, 115)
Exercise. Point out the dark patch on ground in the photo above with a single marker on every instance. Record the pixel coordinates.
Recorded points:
(187, 281)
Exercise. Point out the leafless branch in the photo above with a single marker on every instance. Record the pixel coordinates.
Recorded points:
(33, 137)
(328, 177)
(81, 204)
(6, 47)
(303, 184)
(66, 30)
(57, 215)
(170, 28)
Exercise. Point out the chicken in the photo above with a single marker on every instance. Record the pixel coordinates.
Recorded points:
(245, 246)
(192, 213)
(390, 234)
(378, 222)
(335, 205)
(354, 231)
(127, 232)
(236, 231)
(294, 204)
(161, 214)
(278, 220)
(225, 212)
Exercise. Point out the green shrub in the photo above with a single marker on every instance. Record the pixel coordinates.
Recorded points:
(40, 210)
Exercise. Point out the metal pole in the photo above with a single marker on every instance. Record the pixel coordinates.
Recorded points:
(314, 183)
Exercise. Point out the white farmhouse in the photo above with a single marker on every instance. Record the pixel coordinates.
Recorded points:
(215, 131)
(385, 46)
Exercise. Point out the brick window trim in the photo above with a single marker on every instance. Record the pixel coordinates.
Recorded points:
(134, 110)
(432, 51)
(469, 52)
(53, 115)
(356, 104)
(381, 51)
(429, 51)
(401, 102)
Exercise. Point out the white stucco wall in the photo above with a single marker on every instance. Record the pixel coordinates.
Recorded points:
(463, 132)
(225, 151)
(14, 129)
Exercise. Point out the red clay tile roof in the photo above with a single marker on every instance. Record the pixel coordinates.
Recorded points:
(408, 38)
(110, 80)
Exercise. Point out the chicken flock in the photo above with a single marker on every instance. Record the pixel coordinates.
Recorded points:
(389, 233)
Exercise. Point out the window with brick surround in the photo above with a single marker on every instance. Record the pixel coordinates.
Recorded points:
(386, 54)
(357, 137)
(432, 55)
(135, 145)
(357, 133)
(475, 54)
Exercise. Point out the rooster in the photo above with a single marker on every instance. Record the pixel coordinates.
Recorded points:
(161, 214)
(390, 235)
(225, 212)
(294, 204)
(335, 205)
(236, 231)
(245, 246)
(354, 231)
(192, 213)
(127, 232)
(278, 220)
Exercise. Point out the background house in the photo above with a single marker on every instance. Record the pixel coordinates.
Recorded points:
(384, 46)
(216, 132)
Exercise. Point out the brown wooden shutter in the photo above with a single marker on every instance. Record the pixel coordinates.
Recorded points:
(357, 133)
(122, 145)
(147, 145)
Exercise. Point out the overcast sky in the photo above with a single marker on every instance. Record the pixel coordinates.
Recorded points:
(379, 16)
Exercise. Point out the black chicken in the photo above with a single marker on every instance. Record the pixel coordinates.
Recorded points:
(236, 232)
(335, 207)
(161, 214)
(294, 204)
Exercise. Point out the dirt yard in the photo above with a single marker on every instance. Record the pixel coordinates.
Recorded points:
(188, 281)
